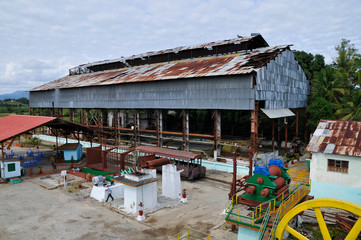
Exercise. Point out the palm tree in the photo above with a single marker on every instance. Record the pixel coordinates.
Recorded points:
(351, 107)
(326, 84)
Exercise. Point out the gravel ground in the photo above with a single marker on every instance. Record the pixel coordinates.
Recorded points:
(30, 211)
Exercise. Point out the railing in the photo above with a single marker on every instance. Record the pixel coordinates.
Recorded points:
(228, 212)
(298, 194)
(257, 214)
(266, 208)
(265, 222)
(295, 197)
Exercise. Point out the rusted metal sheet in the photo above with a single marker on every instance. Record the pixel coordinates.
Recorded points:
(337, 137)
(68, 146)
(169, 153)
(248, 43)
(230, 64)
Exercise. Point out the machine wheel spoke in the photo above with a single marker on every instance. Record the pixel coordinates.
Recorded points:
(295, 233)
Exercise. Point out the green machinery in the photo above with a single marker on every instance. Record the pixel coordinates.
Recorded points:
(266, 183)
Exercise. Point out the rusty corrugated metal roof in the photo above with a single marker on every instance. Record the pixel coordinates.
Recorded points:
(68, 147)
(230, 64)
(210, 45)
(337, 137)
(169, 153)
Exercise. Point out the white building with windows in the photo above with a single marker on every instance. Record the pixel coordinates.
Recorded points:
(335, 169)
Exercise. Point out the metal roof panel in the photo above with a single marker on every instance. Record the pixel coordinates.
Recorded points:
(13, 125)
(230, 64)
(344, 138)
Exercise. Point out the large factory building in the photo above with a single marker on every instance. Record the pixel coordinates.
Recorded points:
(187, 95)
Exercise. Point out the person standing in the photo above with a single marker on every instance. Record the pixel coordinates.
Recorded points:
(109, 191)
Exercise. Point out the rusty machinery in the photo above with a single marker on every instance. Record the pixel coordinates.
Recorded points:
(149, 161)
(266, 184)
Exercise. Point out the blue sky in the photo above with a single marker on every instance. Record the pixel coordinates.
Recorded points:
(41, 39)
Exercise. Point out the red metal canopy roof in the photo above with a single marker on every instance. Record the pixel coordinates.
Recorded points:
(14, 125)
(169, 153)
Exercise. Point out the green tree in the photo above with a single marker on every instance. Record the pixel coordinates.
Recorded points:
(310, 63)
(348, 62)
(320, 108)
(351, 107)
(23, 101)
(326, 84)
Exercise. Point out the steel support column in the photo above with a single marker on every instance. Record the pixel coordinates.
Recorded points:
(85, 113)
(136, 127)
(159, 127)
(254, 126)
(60, 113)
(217, 133)
(116, 125)
(185, 129)
(71, 119)
(86, 117)
(100, 124)
(71, 114)
(41, 129)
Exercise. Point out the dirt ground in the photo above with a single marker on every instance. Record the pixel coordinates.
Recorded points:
(30, 211)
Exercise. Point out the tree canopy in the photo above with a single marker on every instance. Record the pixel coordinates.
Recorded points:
(335, 88)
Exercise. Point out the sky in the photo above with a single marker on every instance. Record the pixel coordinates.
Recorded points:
(41, 40)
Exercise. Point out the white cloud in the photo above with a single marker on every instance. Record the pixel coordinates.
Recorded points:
(31, 73)
(42, 39)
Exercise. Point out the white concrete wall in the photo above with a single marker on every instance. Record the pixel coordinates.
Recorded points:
(147, 194)
(171, 181)
(100, 192)
(320, 173)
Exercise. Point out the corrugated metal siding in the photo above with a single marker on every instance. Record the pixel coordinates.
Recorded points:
(282, 83)
(226, 92)
(42, 99)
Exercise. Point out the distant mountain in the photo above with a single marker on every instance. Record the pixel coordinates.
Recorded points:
(15, 95)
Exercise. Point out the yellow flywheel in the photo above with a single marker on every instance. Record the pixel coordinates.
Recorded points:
(316, 204)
